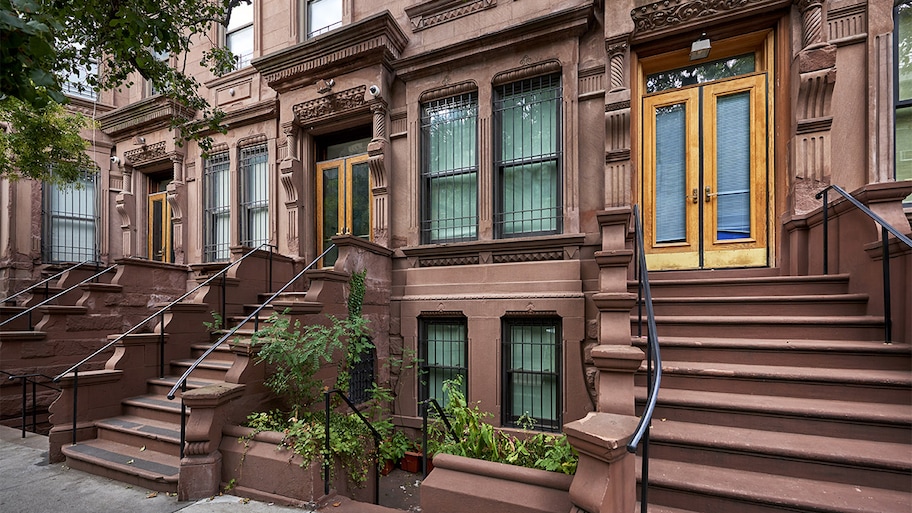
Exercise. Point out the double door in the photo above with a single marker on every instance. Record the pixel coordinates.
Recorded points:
(705, 175)
(343, 201)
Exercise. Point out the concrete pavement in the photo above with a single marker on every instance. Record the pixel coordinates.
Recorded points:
(29, 484)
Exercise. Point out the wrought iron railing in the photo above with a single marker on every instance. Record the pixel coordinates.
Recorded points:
(653, 360)
(30, 379)
(181, 383)
(31, 309)
(885, 229)
(441, 414)
(46, 282)
(327, 455)
(161, 315)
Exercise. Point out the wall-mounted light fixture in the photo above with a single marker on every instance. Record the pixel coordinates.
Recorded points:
(700, 48)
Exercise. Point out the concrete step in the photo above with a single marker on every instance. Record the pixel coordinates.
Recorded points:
(207, 369)
(125, 463)
(707, 488)
(161, 386)
(222, 353)
(850, 461)
(723, 284)
(864, 386)
(834, 418)
(807, 305)
(847, 354)
(759, 326)
(154, 407)
(141, 432)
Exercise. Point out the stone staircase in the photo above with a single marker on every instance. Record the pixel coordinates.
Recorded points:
(778, 394)
(141, 446)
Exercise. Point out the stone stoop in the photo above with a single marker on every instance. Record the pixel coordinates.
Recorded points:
(142, 445)
(778, 394)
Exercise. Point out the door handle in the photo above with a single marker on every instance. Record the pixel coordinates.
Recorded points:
(708, 193)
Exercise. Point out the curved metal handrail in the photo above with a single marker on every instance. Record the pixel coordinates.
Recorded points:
(46, 280)
(55, 296)
(25, 379)
(885, 228)
(653, 363)
(326, 461)
(183, 379)
(158, 312)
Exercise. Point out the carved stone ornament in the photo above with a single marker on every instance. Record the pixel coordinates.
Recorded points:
(429, 14)
(336, 103)
(145, 154)
(674, 12)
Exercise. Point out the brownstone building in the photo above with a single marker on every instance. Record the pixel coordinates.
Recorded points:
(488, 154)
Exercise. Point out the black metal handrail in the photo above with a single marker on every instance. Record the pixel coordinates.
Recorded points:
(182, 381)
(653, 360)
(327, 457)
(25, 379)
(424, 430)
(46, 281)
(55, 296)
(161, 343)
(885, 229)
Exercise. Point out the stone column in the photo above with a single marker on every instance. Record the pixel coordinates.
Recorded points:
(126, 208)
(376, 151)
(177, 200)
(618, 190)
(809, 149)
(291, 172)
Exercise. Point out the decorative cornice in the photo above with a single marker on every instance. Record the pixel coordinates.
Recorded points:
(611, 107)
(143, 116)
(252, 140)
(667, 15)
(432, 13)
(251, 113)
(533, 70)
(377, 39)
(146, 154)
(337, 103)
(447, 91)
(492, 296)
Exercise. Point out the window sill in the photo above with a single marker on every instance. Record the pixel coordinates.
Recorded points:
(549, 247)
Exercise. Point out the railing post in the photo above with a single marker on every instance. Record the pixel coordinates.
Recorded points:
(888, 314)
(326, 457)
(161, 345)
(269, 279)
(75, 400)
(34, 407)
(826, 227)
(183, 435)
(24, 392)
(224, 300)
(424, 429)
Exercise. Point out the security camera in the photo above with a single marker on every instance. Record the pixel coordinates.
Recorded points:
(374, 90)
(115, 160)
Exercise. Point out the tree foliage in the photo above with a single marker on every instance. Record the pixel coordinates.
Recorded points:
(44, 41)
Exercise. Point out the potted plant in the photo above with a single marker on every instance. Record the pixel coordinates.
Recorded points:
(392, 450)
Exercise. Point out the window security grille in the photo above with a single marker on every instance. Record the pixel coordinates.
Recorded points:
(217, 213)
(362, 377)
(70, 222)
(527, 116)
(449, 176)
(254, 172)
(443, 352)
(532, 373)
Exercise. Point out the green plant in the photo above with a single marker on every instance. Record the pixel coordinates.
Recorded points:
(216, 323)
(479, 439)
(394, 447)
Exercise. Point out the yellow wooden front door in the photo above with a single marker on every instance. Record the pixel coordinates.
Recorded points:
(705, 175)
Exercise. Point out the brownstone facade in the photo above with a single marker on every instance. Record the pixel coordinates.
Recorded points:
(495, 148)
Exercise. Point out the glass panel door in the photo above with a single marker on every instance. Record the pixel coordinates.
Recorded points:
(343, 202)
(704, 181)
(160, 228)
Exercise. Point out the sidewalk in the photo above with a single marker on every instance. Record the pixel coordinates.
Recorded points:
(30, 485)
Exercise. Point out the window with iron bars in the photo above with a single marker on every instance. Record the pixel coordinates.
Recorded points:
(443, 353)
(217, 214)
(449, 175)
(70, 221)
(527, 150)
(362, 377)
(532, 373)
(254, 173)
